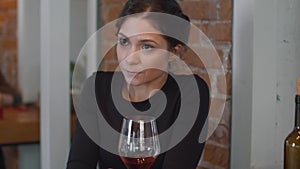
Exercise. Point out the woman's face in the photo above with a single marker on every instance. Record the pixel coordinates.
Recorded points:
(143, 57)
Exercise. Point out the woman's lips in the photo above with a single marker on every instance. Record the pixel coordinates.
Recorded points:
(132, 73)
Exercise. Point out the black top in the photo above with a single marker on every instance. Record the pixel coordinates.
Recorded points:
(85, 153)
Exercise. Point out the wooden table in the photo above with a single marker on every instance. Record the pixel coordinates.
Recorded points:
(22, 126)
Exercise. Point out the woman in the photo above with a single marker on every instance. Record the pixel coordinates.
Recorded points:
(143, 59)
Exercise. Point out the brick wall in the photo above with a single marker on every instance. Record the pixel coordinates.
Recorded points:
(9, 61)
(8, 41)
(214, 18)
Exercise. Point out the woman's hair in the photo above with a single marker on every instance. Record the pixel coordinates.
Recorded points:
(170, 7)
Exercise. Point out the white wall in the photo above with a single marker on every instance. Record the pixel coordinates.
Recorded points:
(242, 84)
(29, 58)
(269, 89)
(29, 42)
(263, 147)
(29, 48)
(276, 67)
(288, 62)
(78, 27)
(55, 86)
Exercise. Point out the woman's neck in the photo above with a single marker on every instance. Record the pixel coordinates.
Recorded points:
(138, 93)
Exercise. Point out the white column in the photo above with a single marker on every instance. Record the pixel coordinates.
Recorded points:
(242, 84)
(91, 29)
(55, 113)
(29, 70)
(263, 149)
(265, 66)
(29, 49)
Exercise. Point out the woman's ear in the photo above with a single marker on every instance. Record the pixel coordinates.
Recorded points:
(176, 52)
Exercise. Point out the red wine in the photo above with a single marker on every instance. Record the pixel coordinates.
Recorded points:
(292, 141)
(138, 163)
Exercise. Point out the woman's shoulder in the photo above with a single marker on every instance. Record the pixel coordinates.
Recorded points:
(106, 74)
(103, 74)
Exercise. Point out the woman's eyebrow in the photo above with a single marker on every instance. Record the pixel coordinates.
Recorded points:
(120, 33)
(148, 40)
(144, 40)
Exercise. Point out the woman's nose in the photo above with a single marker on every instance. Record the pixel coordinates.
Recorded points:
(133, 56)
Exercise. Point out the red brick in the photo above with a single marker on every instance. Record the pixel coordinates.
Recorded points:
(205, 10)
(224, 51)
(195, 35)
(221, 135)
(109, 57)
(12, 15)
(10, 30)
(114, 12)
(2, 16)
(191, 58)
(220, 53)
(104, 10)
(217, 107)
(9, 43)
(109, 33)
(226, 59)
(208, 56)
(220, 84)
(216, 155)
(229, 61)
(227, 113)
(8, 4)
(110, 53)
(225, 11)
(217, 31)
(110, 12)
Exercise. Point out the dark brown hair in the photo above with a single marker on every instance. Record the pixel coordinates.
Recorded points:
(164, 6)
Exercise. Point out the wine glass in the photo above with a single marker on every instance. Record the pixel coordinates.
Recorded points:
(139, 144)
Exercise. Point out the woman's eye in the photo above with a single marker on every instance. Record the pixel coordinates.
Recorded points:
(147, 47)
(123, 41)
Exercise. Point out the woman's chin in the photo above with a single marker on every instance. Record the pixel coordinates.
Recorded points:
(133, 81)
